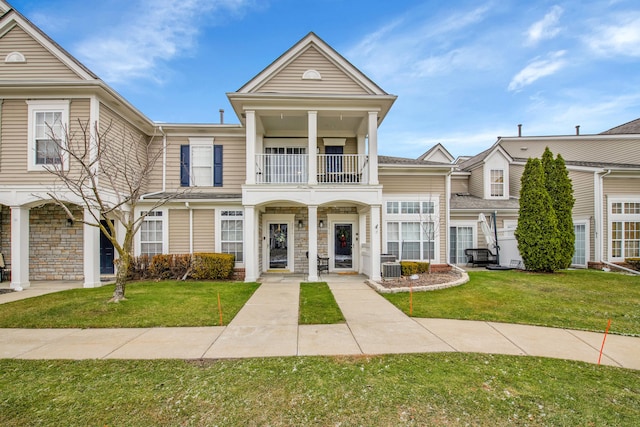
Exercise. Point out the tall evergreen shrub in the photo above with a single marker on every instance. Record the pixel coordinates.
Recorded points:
(560, 189)
(537, 231)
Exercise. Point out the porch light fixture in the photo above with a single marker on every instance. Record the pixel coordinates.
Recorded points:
(300, 224)
(321, 224)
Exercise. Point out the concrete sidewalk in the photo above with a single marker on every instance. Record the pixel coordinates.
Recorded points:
(268, 326)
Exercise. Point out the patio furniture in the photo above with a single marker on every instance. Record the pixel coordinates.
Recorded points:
(480, 257)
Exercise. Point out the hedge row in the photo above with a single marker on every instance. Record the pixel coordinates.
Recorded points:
(199, 266)
(414, 267)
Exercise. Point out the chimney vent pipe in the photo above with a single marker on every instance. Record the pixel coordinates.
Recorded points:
(578, 130)
(520, 130)
(221, 116)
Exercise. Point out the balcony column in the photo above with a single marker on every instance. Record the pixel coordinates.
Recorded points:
(362, 151)
(19, 248)
(251, 147)
(312, 148)
(375, 231)
(373, 148)
(313, 244)
(250, 245)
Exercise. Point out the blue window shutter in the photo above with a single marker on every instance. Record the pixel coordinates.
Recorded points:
(217, 165)
(184, 166)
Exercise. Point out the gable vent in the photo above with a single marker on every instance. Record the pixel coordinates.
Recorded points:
(311, 75)
(15, 57)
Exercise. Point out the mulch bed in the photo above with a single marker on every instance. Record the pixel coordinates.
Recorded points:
(424, 282)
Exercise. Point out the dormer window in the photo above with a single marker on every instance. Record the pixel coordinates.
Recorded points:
(497, 182)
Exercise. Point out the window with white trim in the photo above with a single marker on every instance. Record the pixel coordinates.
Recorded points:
(580, 244)
(48, 122)
(151, 234)
(201, 163)
(410, 229)
(497, 182)
(624, 226)
(232, 233)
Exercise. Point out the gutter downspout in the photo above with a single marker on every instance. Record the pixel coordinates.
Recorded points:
(600, 217)
(164, 167)
(1, 104)
(447, 218)
(186, 204)
(616, 266)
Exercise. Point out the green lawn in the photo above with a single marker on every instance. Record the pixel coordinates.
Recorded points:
(317, 305)
(580, 299)
(399, 390)
(148, 304)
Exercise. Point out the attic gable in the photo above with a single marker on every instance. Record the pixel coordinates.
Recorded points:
(312, 66)
(26, 53)
(437, 153)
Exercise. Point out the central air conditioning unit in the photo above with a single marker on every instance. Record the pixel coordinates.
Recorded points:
(391, 270)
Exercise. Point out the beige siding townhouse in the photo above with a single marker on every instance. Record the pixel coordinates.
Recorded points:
(299, 177)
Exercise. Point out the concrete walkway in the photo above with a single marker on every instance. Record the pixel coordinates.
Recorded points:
(268, 326)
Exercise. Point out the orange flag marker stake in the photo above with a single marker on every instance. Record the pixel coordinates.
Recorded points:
(220, 309)
(603, 340)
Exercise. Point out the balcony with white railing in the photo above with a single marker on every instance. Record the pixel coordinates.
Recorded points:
(331, 169)
(342, 169)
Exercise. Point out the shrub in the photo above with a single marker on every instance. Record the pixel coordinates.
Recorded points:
(139, 268)
(537, 231)
(160, 266)
(560, 190)
(412, 267)
(169, 266)
(633, 262)
(209, 266)
(181, 265)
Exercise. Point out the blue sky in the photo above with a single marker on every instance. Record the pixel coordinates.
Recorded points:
(464, 72)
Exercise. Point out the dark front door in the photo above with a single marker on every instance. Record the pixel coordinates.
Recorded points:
(278, 246)
(106, 253)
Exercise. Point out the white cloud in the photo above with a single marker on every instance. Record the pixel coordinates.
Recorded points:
(401, 47)
(546, 28)
(156, 31)
(619, 38)
(537, 69)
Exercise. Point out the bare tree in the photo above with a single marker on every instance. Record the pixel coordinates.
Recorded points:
(107, 175)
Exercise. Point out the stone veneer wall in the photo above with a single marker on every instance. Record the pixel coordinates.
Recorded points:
(55, 250)
(5, 233)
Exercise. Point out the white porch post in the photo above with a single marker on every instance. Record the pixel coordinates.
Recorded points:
(373, 148)
(362, 238)
(19, 248)
(312, 149)
(251, 147)
(91, 252)
(375, 231)
(250, 245)
(313, 244)
(362, 151)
